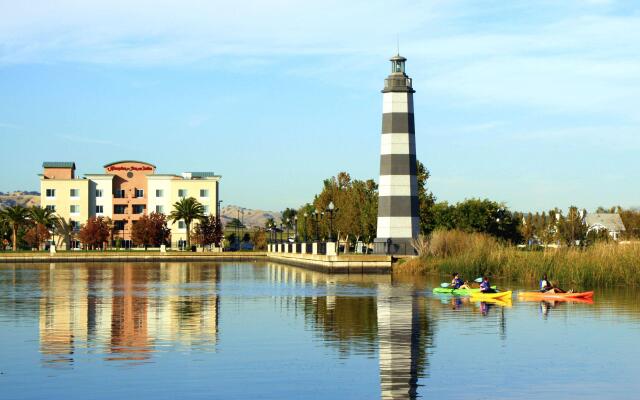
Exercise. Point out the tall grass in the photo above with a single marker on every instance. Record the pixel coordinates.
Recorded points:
(475, 254)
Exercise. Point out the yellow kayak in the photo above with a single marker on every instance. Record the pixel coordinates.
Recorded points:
(495, 296)
(504, 302)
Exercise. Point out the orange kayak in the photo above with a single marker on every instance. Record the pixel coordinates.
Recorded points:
(556, 296)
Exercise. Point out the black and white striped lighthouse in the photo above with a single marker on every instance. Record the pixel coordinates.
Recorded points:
(398, 217)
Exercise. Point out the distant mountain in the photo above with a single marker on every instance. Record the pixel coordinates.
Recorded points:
(26, 199)
(251, 218)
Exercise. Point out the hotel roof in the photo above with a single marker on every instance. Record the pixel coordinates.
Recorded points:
(128, 161)
(59, 164)
(203, 175)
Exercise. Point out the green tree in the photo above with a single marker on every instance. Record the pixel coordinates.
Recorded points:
(187, 210)
(17, 217)
(572, 228)
(288, 217)
(44, 219)
(426, 200)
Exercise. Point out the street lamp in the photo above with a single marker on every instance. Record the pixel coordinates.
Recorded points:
(316, 216)
(281, 230)
(295, 229)
(330, 209)
(306, 214)
(288, 227)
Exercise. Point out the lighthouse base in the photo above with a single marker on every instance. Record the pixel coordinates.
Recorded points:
(393, 246)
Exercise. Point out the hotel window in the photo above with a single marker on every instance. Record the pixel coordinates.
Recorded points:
(119, 225)
(74, 193)
(182, 193)
(51, 208)
(51, 193)
(139, 193)
(160, 209)
(119, 209)
(98, 192)
(119, 194)
(205, 209)
(138, 208)
(99, 209)
(204, 193)
(182, 225)
(74, 209)
(159, 193)
(75, 225)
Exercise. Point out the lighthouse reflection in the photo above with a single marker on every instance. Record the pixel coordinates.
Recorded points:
(394, 321)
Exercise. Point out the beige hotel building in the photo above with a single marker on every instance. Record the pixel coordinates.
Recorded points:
(125, 192)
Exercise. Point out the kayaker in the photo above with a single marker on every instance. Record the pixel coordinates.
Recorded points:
(485, 286)
(547, 287)
(457, 282)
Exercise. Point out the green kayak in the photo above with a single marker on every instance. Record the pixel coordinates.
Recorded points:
(460, 292)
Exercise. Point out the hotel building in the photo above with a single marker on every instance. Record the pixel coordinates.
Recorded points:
(125, 192)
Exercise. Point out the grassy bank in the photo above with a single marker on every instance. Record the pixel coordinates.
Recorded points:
(600, 265)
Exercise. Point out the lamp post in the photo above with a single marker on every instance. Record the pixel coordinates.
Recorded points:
(305, 226)
(330, 209)
(295, 229)
(316, 216)
(288, 227)
(281, 230)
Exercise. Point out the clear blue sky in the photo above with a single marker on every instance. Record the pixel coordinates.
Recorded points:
(535, 103)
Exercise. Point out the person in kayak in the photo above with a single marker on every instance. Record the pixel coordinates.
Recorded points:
(457, 282)
(485, 286)
(547, 287)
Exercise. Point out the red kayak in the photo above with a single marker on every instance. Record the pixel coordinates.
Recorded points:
(556, 296)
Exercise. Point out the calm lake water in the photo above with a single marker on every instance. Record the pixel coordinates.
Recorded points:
(268, 331)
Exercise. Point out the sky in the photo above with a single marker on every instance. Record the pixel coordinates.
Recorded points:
(533, 103)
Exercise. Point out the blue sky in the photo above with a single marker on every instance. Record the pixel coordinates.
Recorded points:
(534, 103)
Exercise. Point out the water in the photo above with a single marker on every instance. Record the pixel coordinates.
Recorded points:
(268, 331)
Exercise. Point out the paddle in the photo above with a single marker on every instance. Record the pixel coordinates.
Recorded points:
(445, 284)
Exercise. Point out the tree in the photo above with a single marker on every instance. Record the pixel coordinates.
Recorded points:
(36, 235)
(288, 217)
(426, 200)
(187, 210)
(95, 232)
(16, 217)
(150, 230)
(572, 228)
(64, 231)
(209, 231)
(44, 219)
(259, 239)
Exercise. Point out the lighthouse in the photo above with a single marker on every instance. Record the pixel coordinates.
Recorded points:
(398, 218)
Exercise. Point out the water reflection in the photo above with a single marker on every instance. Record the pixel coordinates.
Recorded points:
(394, 320)
(128, 314)
(125, 311)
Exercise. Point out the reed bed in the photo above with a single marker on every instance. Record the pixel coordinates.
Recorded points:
(476, 254)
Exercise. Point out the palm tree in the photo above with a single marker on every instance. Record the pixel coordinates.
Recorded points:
(188, 210)
(16, 217)
(64, 230)
(42, 216)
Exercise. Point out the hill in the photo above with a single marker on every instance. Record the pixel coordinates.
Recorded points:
(26, 199)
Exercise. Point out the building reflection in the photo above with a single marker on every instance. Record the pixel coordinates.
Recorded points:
(126, 311)
(392, 319)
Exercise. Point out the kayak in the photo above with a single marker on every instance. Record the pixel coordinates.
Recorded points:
(499, 295)
(460, 292)
(556, 296)
(503, 302)
(584, 300)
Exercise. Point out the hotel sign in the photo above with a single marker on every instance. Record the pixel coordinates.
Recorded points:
(132, 168)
